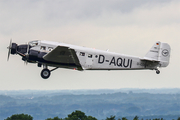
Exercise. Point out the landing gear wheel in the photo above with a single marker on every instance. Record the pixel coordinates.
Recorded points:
(45, 73)
(157, 72)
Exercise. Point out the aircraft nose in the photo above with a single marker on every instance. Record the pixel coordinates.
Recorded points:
(14, 48)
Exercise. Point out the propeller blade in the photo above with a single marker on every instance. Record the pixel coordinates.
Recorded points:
(9, 52)
(27, 48)
(26, 55)
(25, 62)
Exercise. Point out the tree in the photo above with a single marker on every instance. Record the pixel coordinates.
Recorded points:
(124, 118)
(136, 118)
(55, 118)
(78, 115)
(178, 118)
(91, 118)
(111, 118)
(20, 117)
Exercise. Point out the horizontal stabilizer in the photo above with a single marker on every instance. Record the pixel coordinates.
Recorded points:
(149, 59)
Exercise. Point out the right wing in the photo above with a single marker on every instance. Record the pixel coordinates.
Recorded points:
(62, 54)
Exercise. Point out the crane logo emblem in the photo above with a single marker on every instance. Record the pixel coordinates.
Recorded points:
(165, 53)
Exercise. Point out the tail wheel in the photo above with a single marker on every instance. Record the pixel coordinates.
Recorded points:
(45, 73)
(157, 72)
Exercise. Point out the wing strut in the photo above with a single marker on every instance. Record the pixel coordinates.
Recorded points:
(54, 69)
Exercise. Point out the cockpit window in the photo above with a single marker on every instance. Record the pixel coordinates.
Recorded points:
(33, 43)
(43, 48)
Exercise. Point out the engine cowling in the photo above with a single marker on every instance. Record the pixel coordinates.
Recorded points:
(14, 48)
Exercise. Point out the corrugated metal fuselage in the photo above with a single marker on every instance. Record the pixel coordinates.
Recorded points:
(92, 59)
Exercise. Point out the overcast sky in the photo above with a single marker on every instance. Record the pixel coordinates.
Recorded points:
(123, 26)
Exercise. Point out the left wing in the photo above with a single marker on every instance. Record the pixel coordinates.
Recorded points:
(62, 54)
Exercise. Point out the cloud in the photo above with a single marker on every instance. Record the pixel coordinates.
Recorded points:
(32, 14)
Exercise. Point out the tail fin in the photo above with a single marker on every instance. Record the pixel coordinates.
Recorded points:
(159, 52)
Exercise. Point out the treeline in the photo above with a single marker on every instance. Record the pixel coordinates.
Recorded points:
(77, 115)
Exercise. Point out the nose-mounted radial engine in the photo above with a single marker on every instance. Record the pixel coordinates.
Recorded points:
(22, 50)
(28, 55)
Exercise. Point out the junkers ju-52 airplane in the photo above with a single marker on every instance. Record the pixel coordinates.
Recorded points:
(61, 55)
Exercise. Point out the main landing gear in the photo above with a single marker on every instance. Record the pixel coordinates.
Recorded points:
(45, 73)
(157, 71)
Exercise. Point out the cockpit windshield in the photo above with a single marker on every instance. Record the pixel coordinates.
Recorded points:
(33, 43)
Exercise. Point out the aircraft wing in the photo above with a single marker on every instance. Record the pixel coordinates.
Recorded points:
(62, 54)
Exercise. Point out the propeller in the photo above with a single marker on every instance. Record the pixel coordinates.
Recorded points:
(13, 50)
(9, 52)
(27, 55)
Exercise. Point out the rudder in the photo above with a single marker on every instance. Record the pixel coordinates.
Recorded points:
(164, 54)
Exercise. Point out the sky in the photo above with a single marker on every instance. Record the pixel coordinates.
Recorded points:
(124, 26)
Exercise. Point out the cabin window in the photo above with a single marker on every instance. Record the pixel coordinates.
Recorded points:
(34, 44)
(50, 48)
(89, 56)
(82, 54)
(43, 48)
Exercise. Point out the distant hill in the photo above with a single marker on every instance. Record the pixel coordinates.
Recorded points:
(87, 91)
(98, 103)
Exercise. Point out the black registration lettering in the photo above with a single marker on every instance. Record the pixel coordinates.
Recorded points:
(119, 62)
(113, 61)
(126, 64)
(101, 59)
